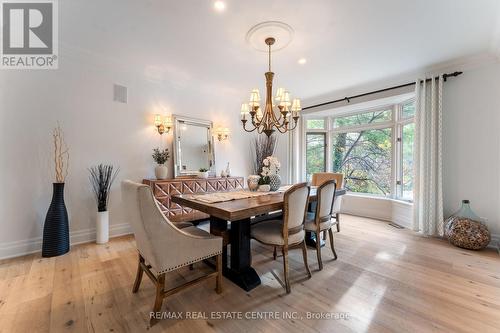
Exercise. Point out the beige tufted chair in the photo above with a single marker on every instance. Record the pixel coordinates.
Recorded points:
(162, 246)
(319, 178)
(289, 232)
(322, 220)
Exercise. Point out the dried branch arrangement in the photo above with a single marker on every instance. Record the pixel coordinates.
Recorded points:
(61, 155)
(263, 146)
(102, 177)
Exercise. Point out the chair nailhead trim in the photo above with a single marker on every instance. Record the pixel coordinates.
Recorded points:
(189, 263)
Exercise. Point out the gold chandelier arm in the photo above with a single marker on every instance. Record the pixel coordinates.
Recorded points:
(245, 127)
(295, 122)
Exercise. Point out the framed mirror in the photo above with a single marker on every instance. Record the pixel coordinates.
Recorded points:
(193, 146)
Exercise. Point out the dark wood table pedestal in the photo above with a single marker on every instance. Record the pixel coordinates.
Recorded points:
(240, 270)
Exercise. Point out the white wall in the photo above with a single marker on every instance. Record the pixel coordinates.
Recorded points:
(471, 139)
(79, 97)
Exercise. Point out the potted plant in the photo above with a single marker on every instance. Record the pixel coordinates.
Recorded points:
(264, 183)
(101, 178)
(56, 227)
(203, 173)
(160, 157)
(270, 172)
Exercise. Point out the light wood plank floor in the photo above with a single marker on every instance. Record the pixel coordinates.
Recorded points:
(386, 280)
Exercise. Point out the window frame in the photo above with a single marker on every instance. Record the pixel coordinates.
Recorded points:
(396, 125)
(325, 149)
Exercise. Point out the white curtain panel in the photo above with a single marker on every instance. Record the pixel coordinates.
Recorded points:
(428, 189)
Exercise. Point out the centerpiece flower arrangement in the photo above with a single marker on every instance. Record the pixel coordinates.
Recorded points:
(270, 173)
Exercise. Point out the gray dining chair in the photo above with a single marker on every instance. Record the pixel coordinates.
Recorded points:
(322, 220)
(162, 246)
(288, 232)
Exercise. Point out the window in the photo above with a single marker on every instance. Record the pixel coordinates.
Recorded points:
(363, 119)
(372, 148)
(407, 161)
(315, 123)
(315, 156)
(408, 109)
(365, 158)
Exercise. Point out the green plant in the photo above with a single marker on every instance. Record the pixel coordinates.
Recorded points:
(264, 180)
(161, 156)
(203, 170)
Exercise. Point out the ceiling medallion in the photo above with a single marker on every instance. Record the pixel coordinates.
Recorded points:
(282, 33)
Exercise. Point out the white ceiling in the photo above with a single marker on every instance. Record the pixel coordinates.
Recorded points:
(346, 42)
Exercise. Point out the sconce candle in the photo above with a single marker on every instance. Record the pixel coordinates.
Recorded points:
(163, 125)
(222, 133)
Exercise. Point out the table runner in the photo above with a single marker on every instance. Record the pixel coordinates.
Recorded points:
(232, 195)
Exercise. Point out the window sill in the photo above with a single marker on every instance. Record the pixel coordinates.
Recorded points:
(377, 197)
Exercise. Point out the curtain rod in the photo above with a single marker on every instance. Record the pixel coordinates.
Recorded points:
(348, 99)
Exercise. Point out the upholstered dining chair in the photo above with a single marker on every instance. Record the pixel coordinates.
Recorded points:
(163, 247)
(322, 220)
(319, 178)
(288, 232)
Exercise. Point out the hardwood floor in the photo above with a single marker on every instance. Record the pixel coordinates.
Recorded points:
(386, 280)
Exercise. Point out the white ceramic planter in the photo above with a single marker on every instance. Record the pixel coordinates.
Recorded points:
(203, 174)
(264, 188)
(102, 227)
(161, 171)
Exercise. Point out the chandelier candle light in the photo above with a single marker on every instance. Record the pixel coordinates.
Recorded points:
(269, 120)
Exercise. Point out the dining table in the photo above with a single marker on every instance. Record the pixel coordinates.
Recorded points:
(240, 214)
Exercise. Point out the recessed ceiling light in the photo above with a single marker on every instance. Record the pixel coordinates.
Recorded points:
(302, 61)
(219, 6)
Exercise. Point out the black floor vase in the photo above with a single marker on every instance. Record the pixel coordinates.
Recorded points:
(56, 227)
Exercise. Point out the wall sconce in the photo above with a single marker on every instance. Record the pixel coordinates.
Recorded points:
(222, 133)
(163, 125)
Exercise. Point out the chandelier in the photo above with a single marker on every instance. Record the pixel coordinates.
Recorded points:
(282, 116)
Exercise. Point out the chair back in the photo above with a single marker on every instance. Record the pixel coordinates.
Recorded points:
(326, 200)
(296, 199)
(153, 232)
(321, 177)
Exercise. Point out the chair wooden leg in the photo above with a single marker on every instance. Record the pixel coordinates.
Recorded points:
(330, 232)
(318, 250)
(284, 250)
(218, 280)
(160, 287)
(337, 217)
(274, 253)
(138, 277)
(304, 255)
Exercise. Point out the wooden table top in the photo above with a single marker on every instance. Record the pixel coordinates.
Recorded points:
(242, 208)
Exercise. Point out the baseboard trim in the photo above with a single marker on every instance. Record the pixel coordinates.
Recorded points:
(34, 245)
(495, 242)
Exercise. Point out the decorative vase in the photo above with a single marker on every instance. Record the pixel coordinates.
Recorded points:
(161, 171)
(253, 182)
(274, 182)
(264, 188)
(223, 173)
(56, 226)
(466, 230)
(228, 170)
(102, 227)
